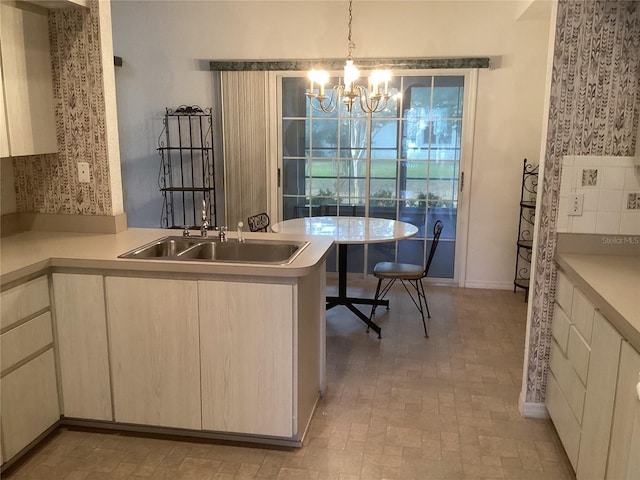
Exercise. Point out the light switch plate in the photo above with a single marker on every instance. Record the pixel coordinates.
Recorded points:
(83, 172)
(576, 203)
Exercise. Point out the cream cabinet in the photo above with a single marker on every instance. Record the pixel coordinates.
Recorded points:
(155, 351)
(624, 453)
(247, 350)
(28, 386)
(29, 125)
(82, 346)
(581, 387)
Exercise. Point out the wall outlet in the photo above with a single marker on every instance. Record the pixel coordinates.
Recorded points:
(83, 172)
(576, 202)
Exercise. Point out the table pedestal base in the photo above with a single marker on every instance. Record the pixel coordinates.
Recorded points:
(351, 302)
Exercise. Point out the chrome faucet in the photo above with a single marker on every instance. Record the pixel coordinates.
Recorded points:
(205, 222)
(222, 236)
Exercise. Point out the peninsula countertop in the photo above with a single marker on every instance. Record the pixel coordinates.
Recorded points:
(26, 253)
(612, 284)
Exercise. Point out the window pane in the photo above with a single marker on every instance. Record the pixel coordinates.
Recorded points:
(383, 168)
(293, 177)
(293, 138)
(294, 101)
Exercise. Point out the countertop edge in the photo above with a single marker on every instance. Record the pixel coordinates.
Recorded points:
(607, 306)
(37, 252)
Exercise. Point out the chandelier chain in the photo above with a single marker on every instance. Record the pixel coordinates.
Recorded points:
(350, 43)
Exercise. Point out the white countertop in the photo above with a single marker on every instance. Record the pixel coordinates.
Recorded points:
(27, 253)
(612, 284)
(354, 230)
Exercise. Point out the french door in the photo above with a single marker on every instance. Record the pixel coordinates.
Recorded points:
(405, 163)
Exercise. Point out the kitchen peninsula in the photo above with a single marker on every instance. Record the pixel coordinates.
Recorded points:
(208, 349)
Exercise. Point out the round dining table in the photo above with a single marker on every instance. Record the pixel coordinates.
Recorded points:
(350, 231)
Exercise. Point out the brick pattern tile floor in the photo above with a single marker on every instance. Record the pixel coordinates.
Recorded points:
(401, 408)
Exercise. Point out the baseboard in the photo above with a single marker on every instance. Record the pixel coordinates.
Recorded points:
(534, 410)
(489, 285)
(73, 223)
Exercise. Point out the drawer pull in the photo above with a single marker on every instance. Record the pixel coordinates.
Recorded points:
(638, 388)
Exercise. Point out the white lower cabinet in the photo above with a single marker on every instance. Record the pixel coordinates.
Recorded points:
(29, 403)
(155, 351)
(247, 348)
(82, 346)
(624, 452)
(599, 399)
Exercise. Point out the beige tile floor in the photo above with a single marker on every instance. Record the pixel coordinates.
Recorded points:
(404, 407)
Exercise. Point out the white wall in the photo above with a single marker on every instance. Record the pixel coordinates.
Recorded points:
(166, 46)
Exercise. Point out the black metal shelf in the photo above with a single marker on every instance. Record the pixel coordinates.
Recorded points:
(187, 175)
(524, 243)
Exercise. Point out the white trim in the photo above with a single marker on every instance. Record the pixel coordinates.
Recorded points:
(465, 167)
(489, 285)
(534, 410)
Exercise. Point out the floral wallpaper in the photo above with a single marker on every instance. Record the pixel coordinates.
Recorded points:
(594, 106)
(48, 183)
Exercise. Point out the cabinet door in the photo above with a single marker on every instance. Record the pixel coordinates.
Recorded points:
(82, 346)
(28, 85)
(153, 340)
(624, 451)
(29, 403)
(246, 344)
(598, 404)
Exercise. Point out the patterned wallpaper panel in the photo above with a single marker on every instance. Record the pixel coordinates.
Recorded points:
(49, 183)
(594, 106)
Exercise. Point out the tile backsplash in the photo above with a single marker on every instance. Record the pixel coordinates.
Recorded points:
(610, 187)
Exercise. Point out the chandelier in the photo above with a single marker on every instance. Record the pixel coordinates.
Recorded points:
(372, 100)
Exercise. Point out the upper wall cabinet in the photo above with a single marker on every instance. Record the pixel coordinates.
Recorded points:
(28, 85)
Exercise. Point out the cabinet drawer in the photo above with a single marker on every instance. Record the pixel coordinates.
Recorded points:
(566, 425)
(29, 403)
(568, 381)
(560, 328)
(24, 340)
(578, 353)
(23, 300)
(564, 292)
(582, 312)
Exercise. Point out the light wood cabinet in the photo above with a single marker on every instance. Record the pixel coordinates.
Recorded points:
(29, 403)
(155, 352)
(247, 349)
(624, 453)
(82, 346)
(28, 388)
(27, 80)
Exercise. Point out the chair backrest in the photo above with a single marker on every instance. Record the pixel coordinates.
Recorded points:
(437, 230)
(258, 223)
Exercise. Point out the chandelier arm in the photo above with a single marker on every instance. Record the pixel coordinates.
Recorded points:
(322, 105)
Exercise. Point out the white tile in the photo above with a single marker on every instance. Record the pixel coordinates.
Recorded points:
(567, 180)
(587, 161)
(562, 223)
(591, 197)
(568, 160)
(608, 222)
(610, 201)
(611, 177)
(632, 178)
(585, 223)
(612, 161)
(630, 223)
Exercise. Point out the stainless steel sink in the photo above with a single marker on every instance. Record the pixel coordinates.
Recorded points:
(276, 252)
(162, 248)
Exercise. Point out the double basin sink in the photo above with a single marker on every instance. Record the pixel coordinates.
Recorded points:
(275, 252)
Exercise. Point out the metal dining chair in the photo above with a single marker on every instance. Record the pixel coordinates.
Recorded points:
(410, 275)
(258, 223)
